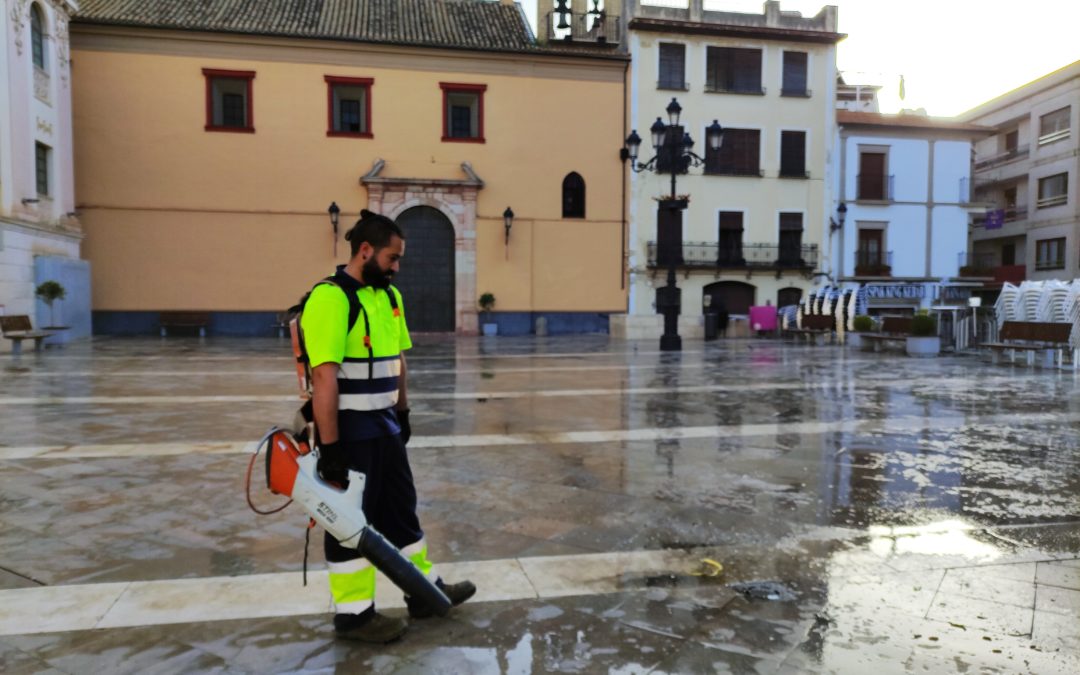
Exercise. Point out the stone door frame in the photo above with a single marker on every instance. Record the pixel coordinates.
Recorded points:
(455, 199)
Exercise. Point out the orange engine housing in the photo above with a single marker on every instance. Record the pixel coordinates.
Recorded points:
(281, 466)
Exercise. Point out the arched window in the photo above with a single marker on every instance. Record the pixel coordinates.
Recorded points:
(37, 36)
(788, 296)
(573, 196)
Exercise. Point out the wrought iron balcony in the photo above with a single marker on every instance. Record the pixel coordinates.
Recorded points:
(873, 263)
(712, 255)
(596, 27)
(874, 187)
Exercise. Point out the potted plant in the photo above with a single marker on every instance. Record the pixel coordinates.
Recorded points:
(860, 324)
(924, 340)
(49, 292)
(487, 303)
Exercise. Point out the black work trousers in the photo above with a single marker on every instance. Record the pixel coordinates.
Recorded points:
(389, 494)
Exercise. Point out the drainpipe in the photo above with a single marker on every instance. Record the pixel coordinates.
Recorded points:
(623, 179)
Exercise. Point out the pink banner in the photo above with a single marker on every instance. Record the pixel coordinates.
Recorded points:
(763, 318)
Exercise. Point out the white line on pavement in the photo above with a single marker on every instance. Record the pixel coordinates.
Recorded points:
(647, 434)
(53, 609)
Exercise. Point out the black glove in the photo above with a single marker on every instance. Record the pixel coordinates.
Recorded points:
(403, 422)
(332, 465)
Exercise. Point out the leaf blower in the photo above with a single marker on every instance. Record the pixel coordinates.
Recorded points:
(290, 471)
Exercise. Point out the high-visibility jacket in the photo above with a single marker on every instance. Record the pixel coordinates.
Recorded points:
(368, 357)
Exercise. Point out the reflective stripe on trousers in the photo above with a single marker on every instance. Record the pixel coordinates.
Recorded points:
(352, 585)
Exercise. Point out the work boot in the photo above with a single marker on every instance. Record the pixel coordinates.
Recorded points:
(370, 627)
(458, 593)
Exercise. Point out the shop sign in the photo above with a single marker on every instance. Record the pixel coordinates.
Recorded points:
(954, 293)
(896, 292)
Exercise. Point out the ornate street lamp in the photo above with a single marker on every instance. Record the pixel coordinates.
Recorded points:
(679, 157)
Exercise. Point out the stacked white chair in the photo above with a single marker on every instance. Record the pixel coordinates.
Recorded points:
(1027, 303)
(1005, 307)
(1051, 306)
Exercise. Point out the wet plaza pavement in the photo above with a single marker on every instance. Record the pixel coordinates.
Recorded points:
(619, 509)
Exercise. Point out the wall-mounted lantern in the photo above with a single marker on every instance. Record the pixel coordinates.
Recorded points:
(334, 212)
(841, 215)
(508, 222)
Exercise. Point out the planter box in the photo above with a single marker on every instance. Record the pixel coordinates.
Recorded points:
(490, 329)
(854, 340)
(924, 346)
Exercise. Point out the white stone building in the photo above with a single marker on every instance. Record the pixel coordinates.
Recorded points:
(759, 207)
(39, 232)
(905, 186)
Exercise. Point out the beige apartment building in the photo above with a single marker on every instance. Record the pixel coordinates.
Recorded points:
(1029, 174)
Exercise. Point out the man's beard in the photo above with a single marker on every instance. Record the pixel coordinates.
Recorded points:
(373, 275)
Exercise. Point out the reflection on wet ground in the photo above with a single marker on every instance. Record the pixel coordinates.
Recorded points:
(826, 510)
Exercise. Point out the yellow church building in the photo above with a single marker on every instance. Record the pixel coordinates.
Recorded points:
(211, 141)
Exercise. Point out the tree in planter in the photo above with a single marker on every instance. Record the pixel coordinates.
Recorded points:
(487, 303)
(862, 324)
(49, 292)
(923, 325)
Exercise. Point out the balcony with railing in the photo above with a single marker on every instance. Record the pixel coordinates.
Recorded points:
(712, 255)
(874, 187)
(977, 264)
(873, 263)
(1009, 214)
(592, 26)
(1012, 274)
(1020, 152)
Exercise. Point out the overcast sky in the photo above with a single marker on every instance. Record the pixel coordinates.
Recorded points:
(953, 54)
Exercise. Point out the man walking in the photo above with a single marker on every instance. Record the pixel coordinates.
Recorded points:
(355, 335)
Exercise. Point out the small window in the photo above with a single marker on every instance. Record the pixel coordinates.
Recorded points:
(1050, 254)
(793, 154)
(1053, 190)
(740, 155)
(573, 196)
(37, 36)
(733, 70)
(228, 100)
(348, 106)
(672, 67)
(794, 83)
(1054, 126)
(463, 112)
(41, 168)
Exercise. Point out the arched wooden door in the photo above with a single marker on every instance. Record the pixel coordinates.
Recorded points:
(426, 279)
(733, 296)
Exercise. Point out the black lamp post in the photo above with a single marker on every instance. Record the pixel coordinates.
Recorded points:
(679, 158)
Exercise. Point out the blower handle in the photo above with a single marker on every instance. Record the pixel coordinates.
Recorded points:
(389, 560)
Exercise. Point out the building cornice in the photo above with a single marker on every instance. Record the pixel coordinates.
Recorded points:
(375, 177)
(728, 30)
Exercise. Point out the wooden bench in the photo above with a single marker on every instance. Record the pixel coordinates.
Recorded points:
(198, 320)
(814, 328)
(1032, 337)
(893, 329)
(18, 328)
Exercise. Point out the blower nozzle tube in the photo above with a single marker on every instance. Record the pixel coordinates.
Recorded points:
(400, 570)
